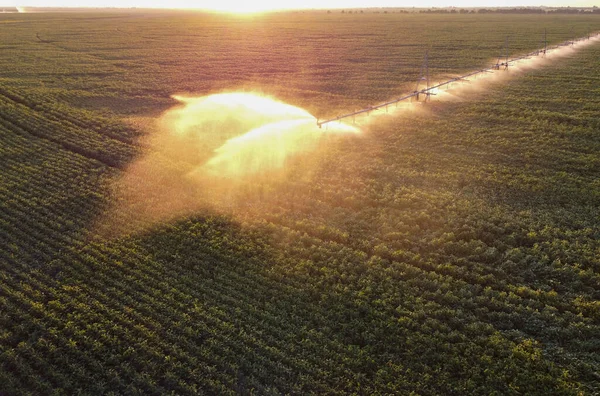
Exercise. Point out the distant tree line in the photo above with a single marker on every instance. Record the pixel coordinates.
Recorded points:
(561, 10)
(529, 10)
(394, 11)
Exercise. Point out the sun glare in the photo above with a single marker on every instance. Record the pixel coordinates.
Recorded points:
(250, 8)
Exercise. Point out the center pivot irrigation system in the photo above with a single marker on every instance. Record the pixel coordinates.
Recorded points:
(426, 92)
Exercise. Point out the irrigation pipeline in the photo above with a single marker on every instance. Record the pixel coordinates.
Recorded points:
(427, 92)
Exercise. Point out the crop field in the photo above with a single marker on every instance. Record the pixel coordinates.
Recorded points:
(451, 247)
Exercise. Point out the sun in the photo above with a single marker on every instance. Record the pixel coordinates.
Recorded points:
(249, 7)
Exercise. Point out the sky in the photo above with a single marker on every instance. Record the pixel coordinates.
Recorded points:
(262, 5)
